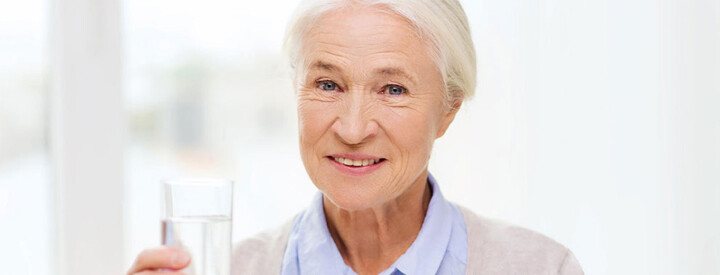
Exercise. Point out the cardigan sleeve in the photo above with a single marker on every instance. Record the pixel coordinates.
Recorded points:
(262, 253)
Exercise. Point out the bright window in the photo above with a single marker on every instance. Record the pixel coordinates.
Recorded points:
(26, 215)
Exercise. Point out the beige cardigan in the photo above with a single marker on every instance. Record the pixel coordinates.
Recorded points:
(493, 248)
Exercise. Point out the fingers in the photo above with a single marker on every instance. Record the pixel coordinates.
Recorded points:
(162, 257)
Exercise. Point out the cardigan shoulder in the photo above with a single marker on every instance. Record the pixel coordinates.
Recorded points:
(495, 247)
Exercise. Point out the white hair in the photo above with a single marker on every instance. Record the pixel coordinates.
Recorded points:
(443, 22)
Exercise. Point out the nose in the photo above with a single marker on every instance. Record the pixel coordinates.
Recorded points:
(355, 123)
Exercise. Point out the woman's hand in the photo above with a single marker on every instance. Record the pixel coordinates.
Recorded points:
(156, 260)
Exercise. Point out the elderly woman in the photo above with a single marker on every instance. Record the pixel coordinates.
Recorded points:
(377, 82)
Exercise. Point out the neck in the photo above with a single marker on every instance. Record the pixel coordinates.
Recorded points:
(371, 240)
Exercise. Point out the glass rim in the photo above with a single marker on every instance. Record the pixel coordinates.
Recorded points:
(197, 181)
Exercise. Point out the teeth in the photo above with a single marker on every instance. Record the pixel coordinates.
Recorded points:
(357, 162)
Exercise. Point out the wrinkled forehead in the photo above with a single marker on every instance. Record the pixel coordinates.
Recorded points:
(371, 37)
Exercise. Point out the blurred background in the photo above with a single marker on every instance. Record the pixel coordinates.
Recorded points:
(595, 122)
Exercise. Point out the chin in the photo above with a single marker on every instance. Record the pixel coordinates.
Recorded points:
(352, 198)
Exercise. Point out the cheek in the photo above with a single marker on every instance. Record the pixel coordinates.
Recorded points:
(314, 119)
(411, 131)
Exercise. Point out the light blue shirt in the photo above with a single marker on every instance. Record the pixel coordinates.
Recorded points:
(440, 247)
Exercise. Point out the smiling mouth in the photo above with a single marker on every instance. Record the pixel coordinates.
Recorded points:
(357, 162)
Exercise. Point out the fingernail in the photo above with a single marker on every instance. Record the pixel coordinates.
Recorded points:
(180, 258)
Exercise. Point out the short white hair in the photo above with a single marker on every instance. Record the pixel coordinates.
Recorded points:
(442, 21)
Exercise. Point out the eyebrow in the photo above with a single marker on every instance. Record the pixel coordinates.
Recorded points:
(394, 71)
(325, 66)
(386, 71)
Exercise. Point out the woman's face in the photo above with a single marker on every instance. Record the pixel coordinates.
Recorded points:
(370, 106)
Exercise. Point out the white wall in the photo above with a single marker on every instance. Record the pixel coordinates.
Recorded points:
(597, 123)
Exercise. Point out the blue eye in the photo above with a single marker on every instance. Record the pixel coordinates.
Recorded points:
(394, 90)
(327, 86)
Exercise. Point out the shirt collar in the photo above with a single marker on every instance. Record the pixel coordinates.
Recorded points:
(318, 254)
(426, 253)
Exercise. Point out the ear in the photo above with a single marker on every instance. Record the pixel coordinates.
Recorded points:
(449, 115)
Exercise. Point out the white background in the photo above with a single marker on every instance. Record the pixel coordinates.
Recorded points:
(595, 122)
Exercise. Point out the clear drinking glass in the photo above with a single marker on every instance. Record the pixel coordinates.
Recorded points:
(197, 218)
